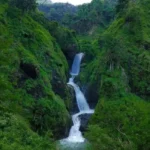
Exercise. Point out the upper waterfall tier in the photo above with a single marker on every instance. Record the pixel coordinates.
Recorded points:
(76, 64)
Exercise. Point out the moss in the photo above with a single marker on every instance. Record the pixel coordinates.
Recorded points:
(125, 46)
(121, 72)
(16, 134)
(120, 123)
(29, 56)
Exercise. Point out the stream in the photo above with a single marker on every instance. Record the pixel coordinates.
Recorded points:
(75, 140)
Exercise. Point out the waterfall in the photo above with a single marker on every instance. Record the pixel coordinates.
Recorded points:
(76, 64)
(75, 136)
(81, 101)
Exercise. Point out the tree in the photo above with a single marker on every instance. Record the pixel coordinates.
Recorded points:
(122, 5)
(24, 5)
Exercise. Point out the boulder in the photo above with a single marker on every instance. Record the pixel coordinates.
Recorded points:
(91, 94)
(84, 121)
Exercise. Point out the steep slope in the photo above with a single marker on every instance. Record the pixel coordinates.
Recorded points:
(120, 72)
(33, 92)
(34, 98)
(65, 37)
(125, 46)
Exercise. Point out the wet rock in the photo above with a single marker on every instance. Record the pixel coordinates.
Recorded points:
(69, 52)
(84, 121)
(91, 94)
(58, 85)
(64, 130)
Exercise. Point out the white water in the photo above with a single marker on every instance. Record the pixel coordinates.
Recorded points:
(81, 101)
(76, 64)
(75, 135)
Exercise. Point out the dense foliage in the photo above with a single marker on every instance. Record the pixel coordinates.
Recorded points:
(84, 18)
(120, 124)
(121, 72)
(24, 5)
(34, 98)
(57, 11)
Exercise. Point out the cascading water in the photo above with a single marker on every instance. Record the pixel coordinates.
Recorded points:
(81, 101)
(75, 136)
(76, 64)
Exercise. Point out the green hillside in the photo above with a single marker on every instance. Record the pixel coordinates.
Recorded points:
(121, 73)
(35, 59)
(34, 97)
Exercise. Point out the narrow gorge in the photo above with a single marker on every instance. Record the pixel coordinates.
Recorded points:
(75, 140)
(75, 77)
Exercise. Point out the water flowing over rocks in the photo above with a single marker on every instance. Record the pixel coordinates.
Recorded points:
(81, 118)
(84, 121)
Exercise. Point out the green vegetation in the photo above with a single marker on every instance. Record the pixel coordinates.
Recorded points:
(86, 18)
(120, 70)
(24, 5)
(120, 124)
(124, 48)
(33, 91)
(65, 37)
(15, 133)
(34, 98)
(57, 11)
